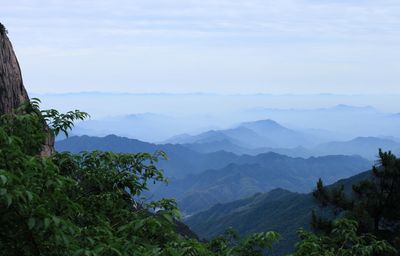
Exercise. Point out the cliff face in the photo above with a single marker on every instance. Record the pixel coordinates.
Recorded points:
(12, 90)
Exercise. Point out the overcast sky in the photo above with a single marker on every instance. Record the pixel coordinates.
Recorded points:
(232, 46)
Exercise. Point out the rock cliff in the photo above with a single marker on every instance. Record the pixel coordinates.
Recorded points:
(12, 90)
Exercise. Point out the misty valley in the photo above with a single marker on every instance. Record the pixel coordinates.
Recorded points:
(255, 176)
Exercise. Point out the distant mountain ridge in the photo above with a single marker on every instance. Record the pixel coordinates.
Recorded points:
(269, 136)
(200, 180)
(182, 160)
(363, 146)
(248, 175)
(248, 135)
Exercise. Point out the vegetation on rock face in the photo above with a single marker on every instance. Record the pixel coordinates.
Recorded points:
(88, 203)
(3, 29)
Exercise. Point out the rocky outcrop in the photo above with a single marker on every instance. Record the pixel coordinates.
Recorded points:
(12, 90)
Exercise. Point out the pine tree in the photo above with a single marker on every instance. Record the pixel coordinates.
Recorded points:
(374, 203)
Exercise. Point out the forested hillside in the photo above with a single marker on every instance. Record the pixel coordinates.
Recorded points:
(250, 175)
(279, 210)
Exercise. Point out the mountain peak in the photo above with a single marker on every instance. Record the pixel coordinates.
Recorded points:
(265, 123)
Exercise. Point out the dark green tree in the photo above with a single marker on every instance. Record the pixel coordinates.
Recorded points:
(373, 202)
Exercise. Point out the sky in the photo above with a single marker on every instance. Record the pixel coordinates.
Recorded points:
(218, 46)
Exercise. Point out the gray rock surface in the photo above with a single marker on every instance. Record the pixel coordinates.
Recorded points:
(12, 90)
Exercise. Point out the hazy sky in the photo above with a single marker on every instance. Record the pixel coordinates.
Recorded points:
(232, 46)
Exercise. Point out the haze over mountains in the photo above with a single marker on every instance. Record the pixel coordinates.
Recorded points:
(335, 123)
(219, 166)
(256, 134)
(158, 117)
(256, 174)
(248, 175)
(263, 135)
(269, 136)
(198, 181)
(181, 160)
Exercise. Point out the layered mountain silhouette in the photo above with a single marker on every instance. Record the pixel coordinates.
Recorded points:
(218, 189)
(363, 146)
(181, 160)
(248, 175)
(249, 135)
(200, 180)
(268, 136)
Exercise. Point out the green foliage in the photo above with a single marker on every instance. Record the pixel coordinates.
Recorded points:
(59, 122)
(373, 203)
(343, 240)
(251, 245)
(87, 203)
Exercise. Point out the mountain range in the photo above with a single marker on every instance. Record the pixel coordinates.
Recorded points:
(257, 192)
(158, 116)
(200, 180)
(248, 175)
(181, 160)
(268, 136)
(250, 135)
(364, 146)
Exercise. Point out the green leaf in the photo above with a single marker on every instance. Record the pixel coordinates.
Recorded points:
(31, 223)
(56, 220)
(29, 195)
(168, 217)
(46, 223)
(3, 179)
(3, 191)
(115, 250)
(8, 199)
